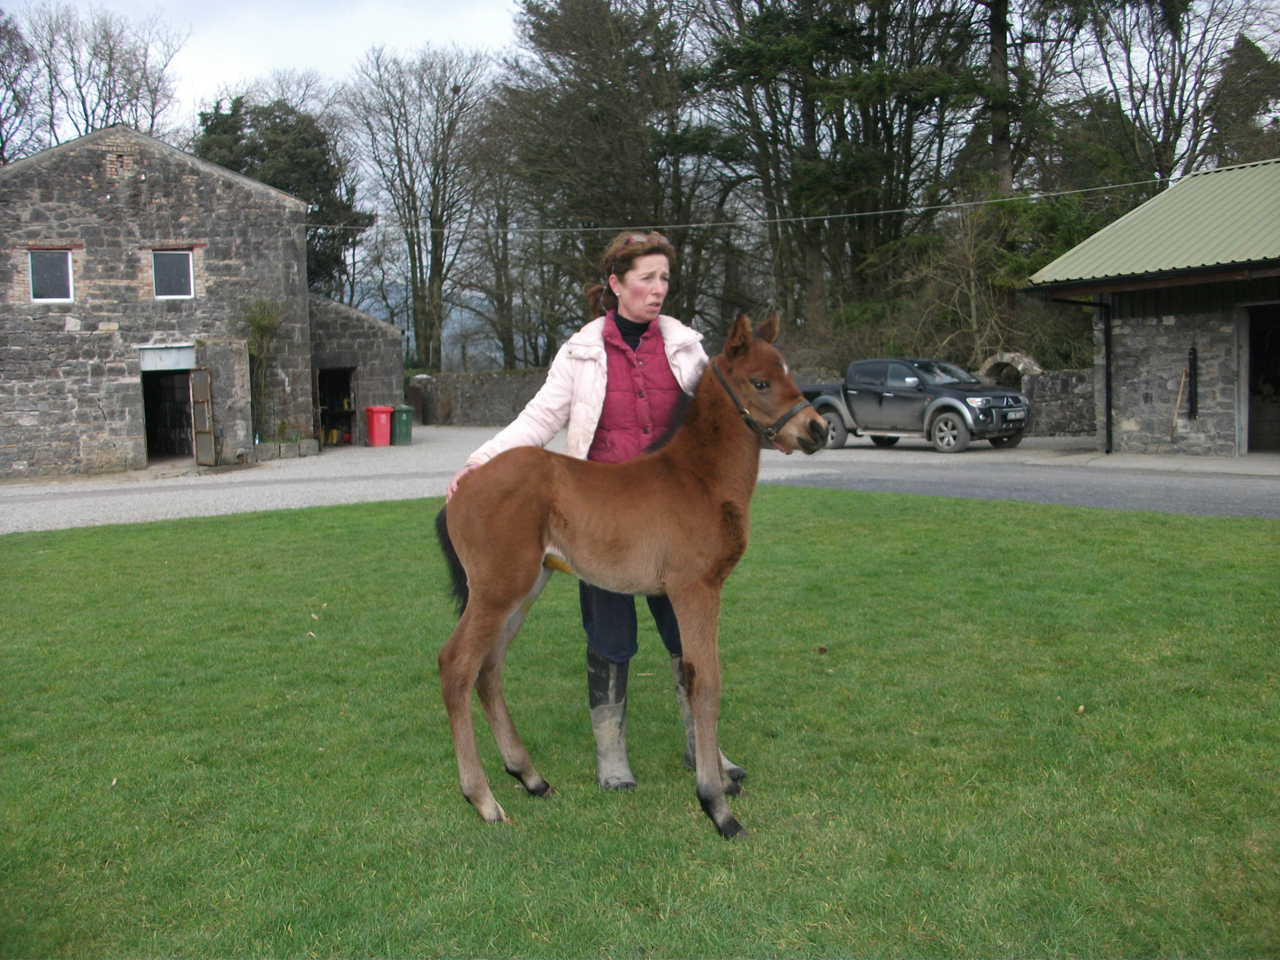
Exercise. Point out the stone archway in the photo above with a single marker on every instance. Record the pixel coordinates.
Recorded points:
(1008, 369)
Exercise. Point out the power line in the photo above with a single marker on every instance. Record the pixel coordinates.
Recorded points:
(778, 221)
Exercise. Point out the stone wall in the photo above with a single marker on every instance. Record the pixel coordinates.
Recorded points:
(1063, 400)
(71, 396)
(473, 399)
(1061, 403)
(1149, 392)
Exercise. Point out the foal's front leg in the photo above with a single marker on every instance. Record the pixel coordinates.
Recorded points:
(698, 610)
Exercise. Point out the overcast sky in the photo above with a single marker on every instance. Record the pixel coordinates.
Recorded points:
(233, 41)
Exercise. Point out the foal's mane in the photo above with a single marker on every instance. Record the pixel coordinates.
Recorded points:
(678, 417)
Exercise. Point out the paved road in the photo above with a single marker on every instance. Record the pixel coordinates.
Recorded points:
(1054, 470)
(1059, 471)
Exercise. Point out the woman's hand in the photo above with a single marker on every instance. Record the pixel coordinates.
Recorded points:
(453, 484)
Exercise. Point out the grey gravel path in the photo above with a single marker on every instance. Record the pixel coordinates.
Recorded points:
(424, 467)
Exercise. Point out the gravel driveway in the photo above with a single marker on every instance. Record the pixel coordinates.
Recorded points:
(424, 467)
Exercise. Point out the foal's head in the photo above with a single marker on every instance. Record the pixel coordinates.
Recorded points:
(760, 385)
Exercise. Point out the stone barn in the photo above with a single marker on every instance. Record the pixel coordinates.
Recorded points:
(155, 306)
(1185, 293)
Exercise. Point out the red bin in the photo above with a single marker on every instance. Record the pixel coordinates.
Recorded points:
(379, 419)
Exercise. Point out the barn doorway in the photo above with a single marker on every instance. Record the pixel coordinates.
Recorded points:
(166, 396)
(338, 420)
(1264, 379)
(167, 403)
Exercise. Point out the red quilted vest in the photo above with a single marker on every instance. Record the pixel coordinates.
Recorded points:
(641, 396)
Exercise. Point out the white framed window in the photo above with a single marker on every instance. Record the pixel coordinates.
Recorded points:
(51, 276)
(172, 272)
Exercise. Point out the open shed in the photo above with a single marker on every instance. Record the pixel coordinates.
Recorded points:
(1185, 291)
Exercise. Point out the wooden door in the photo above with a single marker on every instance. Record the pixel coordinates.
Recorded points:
(202, 416)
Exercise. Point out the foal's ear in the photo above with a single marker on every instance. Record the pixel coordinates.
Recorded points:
(769, 329)
(739, 341)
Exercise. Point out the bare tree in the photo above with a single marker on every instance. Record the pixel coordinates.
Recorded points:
(410, 116)
(380, 285)
(961, 314)
(489, 277)
(1160, 63)
(18, 128)
(97, 69)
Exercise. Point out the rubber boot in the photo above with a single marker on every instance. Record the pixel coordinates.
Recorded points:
(607, 696)
(731, 769)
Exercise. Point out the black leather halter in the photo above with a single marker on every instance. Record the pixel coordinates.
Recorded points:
(768, 433)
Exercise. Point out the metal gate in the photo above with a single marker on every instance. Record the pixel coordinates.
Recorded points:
(202, 416)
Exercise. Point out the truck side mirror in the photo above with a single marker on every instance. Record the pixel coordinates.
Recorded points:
(912, 382)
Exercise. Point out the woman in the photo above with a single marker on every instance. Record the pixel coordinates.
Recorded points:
(616, 385)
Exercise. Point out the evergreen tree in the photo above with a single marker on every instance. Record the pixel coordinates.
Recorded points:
(288, 149)
(1244, 110)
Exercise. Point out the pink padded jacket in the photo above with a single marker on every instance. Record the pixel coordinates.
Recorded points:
(574, 391)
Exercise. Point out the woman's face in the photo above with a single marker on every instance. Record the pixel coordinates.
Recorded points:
(641, 290)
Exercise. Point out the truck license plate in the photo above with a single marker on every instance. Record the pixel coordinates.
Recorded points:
(1015, 415)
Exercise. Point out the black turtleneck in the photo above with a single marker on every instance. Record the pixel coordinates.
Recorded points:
(630, 330)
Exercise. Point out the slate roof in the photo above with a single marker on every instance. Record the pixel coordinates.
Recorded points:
(1215, 222)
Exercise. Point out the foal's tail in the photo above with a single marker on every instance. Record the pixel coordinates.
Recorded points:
(457, 574)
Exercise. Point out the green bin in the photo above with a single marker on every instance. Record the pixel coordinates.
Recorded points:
(402, 425)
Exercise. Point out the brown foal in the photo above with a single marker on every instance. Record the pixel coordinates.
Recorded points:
(674, 521)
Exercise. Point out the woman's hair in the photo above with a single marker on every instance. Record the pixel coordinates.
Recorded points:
(618, 258)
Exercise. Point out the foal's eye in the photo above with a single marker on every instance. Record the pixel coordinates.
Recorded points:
(760, 385)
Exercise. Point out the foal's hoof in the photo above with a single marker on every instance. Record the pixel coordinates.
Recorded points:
(731, 828)
(713, 806)
(493, 814)
(537, 787)
(733, 788)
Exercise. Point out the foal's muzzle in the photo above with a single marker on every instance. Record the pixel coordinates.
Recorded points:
(816, 438)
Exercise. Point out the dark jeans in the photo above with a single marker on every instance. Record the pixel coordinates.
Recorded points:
(610, 621)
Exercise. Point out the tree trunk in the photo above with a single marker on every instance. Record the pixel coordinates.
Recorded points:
(998, 104)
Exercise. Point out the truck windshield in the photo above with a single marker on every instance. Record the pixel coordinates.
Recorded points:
(937, 372)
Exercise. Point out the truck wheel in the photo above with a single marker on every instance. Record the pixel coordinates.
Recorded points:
(885, 441)
(1005, 443)
(948, 432)
(837, 433)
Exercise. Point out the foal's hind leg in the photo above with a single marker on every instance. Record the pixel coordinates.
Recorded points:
(460, 663)
(514, 755)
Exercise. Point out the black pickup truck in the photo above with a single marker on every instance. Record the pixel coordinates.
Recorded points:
(894, 398)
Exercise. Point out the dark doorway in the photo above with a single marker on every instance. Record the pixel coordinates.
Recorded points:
(166, 396)
(1264, 379)
(337, 407)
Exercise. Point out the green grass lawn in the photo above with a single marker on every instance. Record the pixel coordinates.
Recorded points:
(973, 729)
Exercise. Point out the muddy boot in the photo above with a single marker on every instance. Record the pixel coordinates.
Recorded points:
(731, 770)
(607, 695)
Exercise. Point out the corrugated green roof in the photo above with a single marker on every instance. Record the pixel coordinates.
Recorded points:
(1219, 218)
